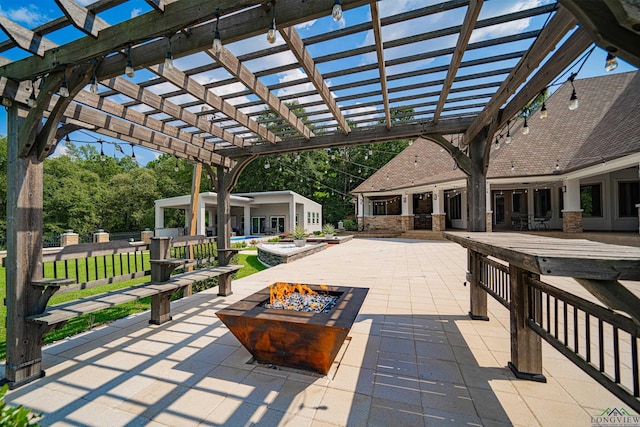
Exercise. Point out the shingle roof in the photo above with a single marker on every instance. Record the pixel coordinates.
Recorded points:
(606, 125)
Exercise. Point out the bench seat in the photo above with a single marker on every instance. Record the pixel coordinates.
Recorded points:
(62, 312)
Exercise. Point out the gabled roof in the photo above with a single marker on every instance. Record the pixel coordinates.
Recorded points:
(605, 126)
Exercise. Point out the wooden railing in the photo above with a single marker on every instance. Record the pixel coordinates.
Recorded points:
(601, 342)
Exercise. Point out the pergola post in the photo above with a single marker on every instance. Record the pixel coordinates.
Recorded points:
(479, 149)
(24, 257)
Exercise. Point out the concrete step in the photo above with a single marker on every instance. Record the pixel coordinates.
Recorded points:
(422, 235)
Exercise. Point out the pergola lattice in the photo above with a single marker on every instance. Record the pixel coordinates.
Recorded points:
(455, 79)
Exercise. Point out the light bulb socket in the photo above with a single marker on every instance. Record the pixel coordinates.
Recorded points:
(168, 61)
(31, 102)
(611, 63)
(217, 42)
(336, 12)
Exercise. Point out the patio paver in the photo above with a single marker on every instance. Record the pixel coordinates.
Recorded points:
(414, 358)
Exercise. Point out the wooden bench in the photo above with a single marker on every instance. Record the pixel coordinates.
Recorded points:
(160, 294)
(161, 287)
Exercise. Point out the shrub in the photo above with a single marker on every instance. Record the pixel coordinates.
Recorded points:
(317, 233)
(239, 245)
(18, 416)
(299, 233)
(274, 239)
(328, 229)
(350, 225)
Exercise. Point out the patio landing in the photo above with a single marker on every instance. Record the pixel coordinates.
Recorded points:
(414, 358)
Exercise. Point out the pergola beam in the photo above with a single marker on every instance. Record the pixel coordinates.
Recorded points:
(377, 134)
(25, 39)
(82, 18)
(468, 24)
(198, 91)
(382, 70)
(551, 34)
(151, 99)
(230, 63)
(158, 5)
(295, 43)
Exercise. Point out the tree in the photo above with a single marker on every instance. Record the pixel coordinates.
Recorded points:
(130, 200)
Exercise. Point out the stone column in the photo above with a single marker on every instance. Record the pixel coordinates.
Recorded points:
(407, 218)
(247, 219)
(572, 213)
(100, 236)
(69, 238)
(146, 235)
(438, 217)
(489, 213)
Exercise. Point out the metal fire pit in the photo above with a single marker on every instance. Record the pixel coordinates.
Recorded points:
(292, 338)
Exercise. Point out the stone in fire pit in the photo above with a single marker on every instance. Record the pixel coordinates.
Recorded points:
(303, 340)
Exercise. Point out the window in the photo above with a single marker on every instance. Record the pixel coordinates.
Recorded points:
(628, 198)
(308, 217)
(277, 224)
(455, 206)
(591, 200)
(257, 224)
(541, 202)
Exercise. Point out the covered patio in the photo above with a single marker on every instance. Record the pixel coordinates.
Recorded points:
(414, 358)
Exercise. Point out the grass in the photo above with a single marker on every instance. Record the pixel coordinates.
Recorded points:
(88, 321)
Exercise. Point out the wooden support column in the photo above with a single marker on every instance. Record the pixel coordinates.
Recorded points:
(160, 249)
(226, 180)
(478, 296)
(24, 258)
(526, 345)
(479, 149)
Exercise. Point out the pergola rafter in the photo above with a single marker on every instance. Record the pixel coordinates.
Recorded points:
(430, 83)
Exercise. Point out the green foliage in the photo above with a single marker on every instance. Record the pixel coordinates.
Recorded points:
(328, 228)
(350, 225)
(239, 245)
(15, 416)
(298, 233)
(274, 239)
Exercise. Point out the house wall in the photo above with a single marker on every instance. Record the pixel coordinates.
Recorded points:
(610, 219)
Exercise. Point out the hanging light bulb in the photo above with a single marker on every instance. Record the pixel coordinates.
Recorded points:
(525, 128)
(133, 153)
(573, 101)
(128, 70)
(168, 60)
(217, 41)
(64, 89)
(543, 111)
(31, 102)
(512, 166)
(558, 165)
(336, 12)
(267, 165)
(611, 63)
(415, 161)
(102, 156)
(176, 168)
(67, 139)
(507, 139)
(496, 146)
(271, 33)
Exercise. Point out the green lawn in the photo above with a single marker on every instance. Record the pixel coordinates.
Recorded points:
(83, 323)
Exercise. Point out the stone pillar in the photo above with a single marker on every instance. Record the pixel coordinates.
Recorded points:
(572, 213)
(438, 222)
(489, 213)
(247, 219)
(572, 221)
(146, 235)
(69, 238)
(489, 217)
(100, 236)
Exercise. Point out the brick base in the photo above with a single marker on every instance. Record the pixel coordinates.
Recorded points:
(100, 237)
(67, 239)
(572, 222)
(438, 222)
(489, 221)
(395, 223)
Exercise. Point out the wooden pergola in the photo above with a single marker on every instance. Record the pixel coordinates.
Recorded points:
(473, 87)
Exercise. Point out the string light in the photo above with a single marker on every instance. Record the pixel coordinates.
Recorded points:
(611, 63)
(133, 153)
(271, 33)
(507, 139)
(573, 101)
(64, 89)
(102, 156)
(525, 128)
(267, 165)
(176, 168)
(558, 164)
(31, 102)
(168, 61)
(67, 139)
(336, 12)
(497, 144)
(543, 111)
(512, 166)
(217, 41)
(128, 70)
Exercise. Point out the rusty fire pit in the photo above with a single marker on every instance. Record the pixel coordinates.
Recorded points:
(296, 339)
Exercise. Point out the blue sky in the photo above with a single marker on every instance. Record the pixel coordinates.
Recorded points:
(31, 13)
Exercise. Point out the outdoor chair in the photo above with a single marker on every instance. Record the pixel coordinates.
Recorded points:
(543, 222)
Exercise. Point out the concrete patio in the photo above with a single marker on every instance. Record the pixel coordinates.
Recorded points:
(414, 358)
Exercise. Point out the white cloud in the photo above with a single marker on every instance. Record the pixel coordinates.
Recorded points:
(29, 15)
(306, 25)
(507, 28)
(374, 116)
(135, 12)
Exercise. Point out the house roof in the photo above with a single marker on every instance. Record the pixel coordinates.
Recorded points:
(605, 126)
